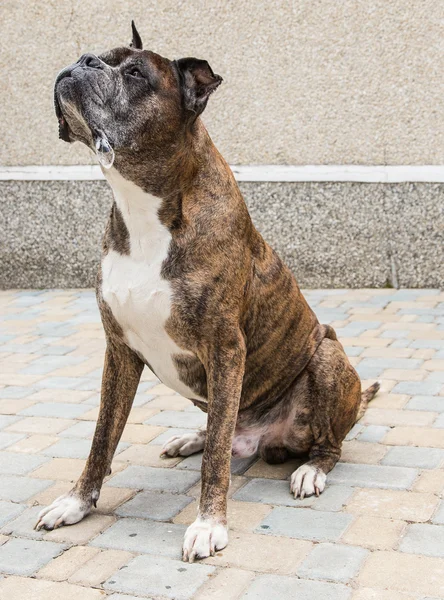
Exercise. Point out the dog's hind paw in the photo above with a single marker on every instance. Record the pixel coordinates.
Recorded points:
(184, 445)
(203, 538)
(306, 481)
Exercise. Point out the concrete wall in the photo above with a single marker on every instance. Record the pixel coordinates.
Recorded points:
(306, 81)
(331, 234)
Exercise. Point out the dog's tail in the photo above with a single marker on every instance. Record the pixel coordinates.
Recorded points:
(366, 396)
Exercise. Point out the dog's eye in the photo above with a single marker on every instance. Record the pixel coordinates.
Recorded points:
(135, 73)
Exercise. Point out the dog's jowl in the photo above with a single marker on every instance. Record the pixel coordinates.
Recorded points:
(188, 287)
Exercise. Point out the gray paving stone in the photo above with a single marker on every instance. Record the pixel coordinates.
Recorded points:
(122, 597)
(368, 372)
(46, 364)
(436, 376)
(151, 478)
(75, 448)
(429, 403)
(159, 506)
(56, 350)
(15, 391)
(25, 557)
(6, 420)
(19, 489)
(438, 519)
(89, 385)
(140, 535)
(353, 350)
(178, 418)
(306, 524)
(354, 432)
(434, 344)
(396, 478)
(333, 562)
(373, 433)
(83, 429)
(15, 463)
(422, 388)
(333, 498)
(238, 465)
(409, 456)
(6, 438)
(395, 334)
(56, 409)
(439, 423)
(276, 587)
(270, 491)
(159, 576)
(401, 343)
(23, 524)
(391, 363)
(61, 383)
(423, 539)
(9, 510)
(166, 435)
(356, 328)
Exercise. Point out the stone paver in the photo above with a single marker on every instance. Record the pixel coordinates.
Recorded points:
(375, 533)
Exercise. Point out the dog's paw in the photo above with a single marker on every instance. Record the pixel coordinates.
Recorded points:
(306, 481)
(203, 538)
(65, 510)
(184, 445)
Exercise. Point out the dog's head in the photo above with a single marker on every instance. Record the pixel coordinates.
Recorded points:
(130, 98)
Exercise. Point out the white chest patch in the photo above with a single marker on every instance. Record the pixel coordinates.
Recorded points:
(139, 298)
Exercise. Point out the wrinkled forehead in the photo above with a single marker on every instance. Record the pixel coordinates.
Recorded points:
(124, 56)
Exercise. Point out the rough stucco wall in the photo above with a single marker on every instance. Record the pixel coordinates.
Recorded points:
(306, 82)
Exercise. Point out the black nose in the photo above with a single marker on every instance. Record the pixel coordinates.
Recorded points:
(91, 61)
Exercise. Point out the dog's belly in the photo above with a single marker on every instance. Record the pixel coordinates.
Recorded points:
(140, 301)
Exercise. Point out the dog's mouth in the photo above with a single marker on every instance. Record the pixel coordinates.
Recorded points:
(63, 125)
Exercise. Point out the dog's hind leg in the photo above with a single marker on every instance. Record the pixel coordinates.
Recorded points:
(184, 445)
(121, 376)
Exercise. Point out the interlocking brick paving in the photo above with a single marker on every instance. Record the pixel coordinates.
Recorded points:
(376, 533)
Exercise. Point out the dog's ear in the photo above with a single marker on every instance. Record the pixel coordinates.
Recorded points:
(137, 40)
(198, 82)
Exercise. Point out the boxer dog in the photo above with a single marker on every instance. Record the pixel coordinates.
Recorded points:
(188, 287)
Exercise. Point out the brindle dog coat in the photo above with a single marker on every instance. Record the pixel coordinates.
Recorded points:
(188, 287)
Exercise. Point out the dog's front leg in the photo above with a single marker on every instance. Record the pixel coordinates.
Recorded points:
(121, 376)
(225, 364)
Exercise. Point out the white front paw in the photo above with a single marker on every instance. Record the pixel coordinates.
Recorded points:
(307, 480)
(65, 510)
(203, 538)
(185, 444)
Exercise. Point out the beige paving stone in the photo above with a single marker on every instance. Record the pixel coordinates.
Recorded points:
(19, 379)
(21, 588)
(63, 469)
(430, 481)
(60, 568)
(424, 353)
(242, 516)
(374, 533)
(69, 396)
(33, 444)
(379, 416)
(262, 553)
(82, 532)
(80, 370)
(225, 584)
(100, 567)
(112, 497)
(91, 415)
(404, 572)
(387, 353)
(404, 374)
(427, 437)
(386, 384)
(393, 504)
(369, 594)
(14, 405)
(237, 481)
(3, 539)
(141, 434)
(362, 452)
(40, 425)
(434, 365)
(142, 413)
(387, 400)
(280, 471)
(148, 375)
(173, 402)
(425, 335)
(143, 454)
(366, 342)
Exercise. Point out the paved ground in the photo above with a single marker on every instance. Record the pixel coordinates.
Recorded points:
(376, 533)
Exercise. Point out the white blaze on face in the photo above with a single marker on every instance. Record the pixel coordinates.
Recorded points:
(139, 298)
